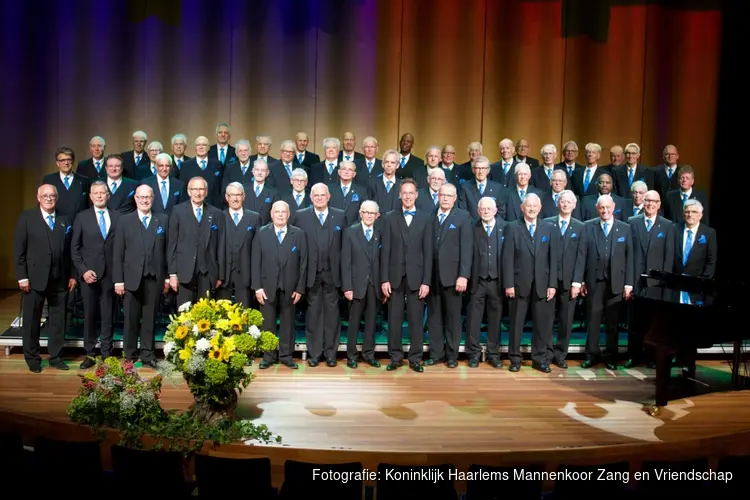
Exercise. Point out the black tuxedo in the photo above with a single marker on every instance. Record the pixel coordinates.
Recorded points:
(589, 211)
(290, 198)
(319, 173)
(663, 182)
(323, 279)
(570, 263)
(279, 269)
(350, 203)
(701, 260)
(386, 199)
(91, 251)
(406, 263)
(622, 181)
(261, 203)
(230, 156)
(629, 210)
(468, 195)
(454, 249)
(578, 185)
(73, 200)
(129, 166)
(530, 267)
(87, 168)
(540, 180)
(674, 204)
(42, 256)
(196, 251)
(363, 174)
(123, 199)
(360, 274)
(176, 193)
(407, 170)
(509, 204)
(610, 267)
(212, 175)
(549, 207)
(239, 241)
(140, 263)
(486, 289)
(455, 175)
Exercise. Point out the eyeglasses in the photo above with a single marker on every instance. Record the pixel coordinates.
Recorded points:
(48, 196)
(362, 212)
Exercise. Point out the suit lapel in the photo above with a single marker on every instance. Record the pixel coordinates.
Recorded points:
(404, 227)
(207, 221)
(645, 236)
(615, 231)
(526, 235)
(446, 225)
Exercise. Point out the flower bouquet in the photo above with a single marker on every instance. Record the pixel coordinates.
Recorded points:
(210, 342)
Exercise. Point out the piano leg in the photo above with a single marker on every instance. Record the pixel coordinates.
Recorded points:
(663, 371)
(736, 360)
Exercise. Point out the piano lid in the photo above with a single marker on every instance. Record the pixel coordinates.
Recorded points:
(690, 290)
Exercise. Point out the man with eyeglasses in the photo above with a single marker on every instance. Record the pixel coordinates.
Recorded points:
(169, 191)
(140, 274)
(653, 250)
(480, 187)
(208, 168)
(346, 195)
(299, 197)
(541, 177)
(632, 171)
(121, 189)
(41, 250)
(72, 188)
(241, 169)
(551, 199)
(281, 170)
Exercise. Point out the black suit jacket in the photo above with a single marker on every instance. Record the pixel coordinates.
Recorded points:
(262, 203)
(620, 177)
(130, 249)
(564, 167)
(177, 193)
(571, 251)
(33, 244)
(233, 173)
(621, 258)
(123, 199)
(357, 156)
(87, 168)
(497, 173)
(386, 200)
(73, 200)
(579, 175)
(468, 196)
(652, 250)
(319, 173)
(454, 247)
(277, 266)
(588, 211)
(278, 176)
(129, 167)
(407, 250)
(530, 261)
(238, 249)
(540, 180)
(89, 250)
(509, 206)
(307, 220)
(663, 183)
(492, 251)
(411, 166)
(360, 261)
(425, 201)
(549, 207)
(187, 238)
(350, 203)
(702, 259)
(230, 157)
(531, 162)
(289, 197)
(308, 160)
(674, 205)
(212, 175)
(363, 174)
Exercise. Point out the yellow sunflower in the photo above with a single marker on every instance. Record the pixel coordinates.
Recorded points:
(204, 325)
(181, 332)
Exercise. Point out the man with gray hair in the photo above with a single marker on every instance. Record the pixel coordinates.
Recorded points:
(585, 181)
(326, 171)
(512, 198)
(168, 191)
(502, 171)
(222, 151)
(281, 169)
(208, 168)
(541, 177)
(179, 146)
(368, 167)
(634, 203)
(94, 168)
(695, 245)
(240, 170)
(263, 146)
(136, 157)
(298, 198)
(259, 196)
(625, 175)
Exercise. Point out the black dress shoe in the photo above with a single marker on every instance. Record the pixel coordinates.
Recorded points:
(473, 363)
(87, 363)
(35, 369)
(373, 362)
(514, 368)
(417, 367)
(562, 364)
(452, 363)
(431, 362)
(60, 365)
(331, 363)
(351, 363)
(393, 366)
(293, 365)
(312, 363)
(264, 365)
(542, 367)
(495, 363)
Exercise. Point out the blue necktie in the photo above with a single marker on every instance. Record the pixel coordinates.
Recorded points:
(367, 234)
(556, 197)
(684, 298)
(98, 166)
(179, 164)
(164, 195)
(488, 228)
(369, 166)
(51, 222)
(257, 191)
(669, 173)
(222, 156)
(236, 218)
(442, 218)
(199, 214)
(684, 198)
(299, 159)
(587, 179)
(344, 190)
(635, 210)
(563, 223)
(481, 188)
(570, 170)
(388, 185)
(606, 229)
(549, 173)
(521, 194)
(330, 168)
(114, 187)
(403, 161)
(631, 172)
(506, 166)
(102, 224)
(145, 221)
(203, 164)
(153, 170)
(288, 171)
(347, 157)
(137, 160)
(244, 169)
(320, 218)
(279, 236)
(648, 225)
(410, 212)
(299, 199)
(531, 230)
(66, 182)
(434, 198)
(688, 247)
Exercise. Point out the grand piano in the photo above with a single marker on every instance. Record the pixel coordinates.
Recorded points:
(681, 314)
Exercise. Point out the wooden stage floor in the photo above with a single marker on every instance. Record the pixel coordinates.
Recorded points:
(441, 410)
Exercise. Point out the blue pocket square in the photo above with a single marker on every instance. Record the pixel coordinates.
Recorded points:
(217, 173)
(574, 235)
(176, 193)
(294, 249)
(380, 246)
(131, 193)
(249, 228)
(461, 181)
(502, 239)
(337, 228)
(702, 239)
(618, 211)
(159, 230)
(620, 239)
(545, 239)
(214, 228)
(68, 229)
(268, 200)
(492, 198)
(232, 160)
(355, 197)
(84, 193)
(451, 227)
(660, 235)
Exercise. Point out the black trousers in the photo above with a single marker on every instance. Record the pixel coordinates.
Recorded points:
(323, 320)
(565, 310)
(234, 288)
(487, 296)
(601, 301)
(199, 287)
(281, 302)
(367, 306)
(543, 319)
(140, 319)
(31, 315)
(415, 318)
(444, 322)
(98, 306)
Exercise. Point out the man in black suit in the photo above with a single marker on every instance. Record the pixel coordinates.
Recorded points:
(406, 162)
(406, 273)
(327, 170)
(632, 171)
(512, 197)
(168, 190)
(522, 154)
(298, 198)
(179, 145)
(222, 151)
(454, 231)
(503, 171)
(41, 250)
(634, 204)
(347, 153)
(486, 285)
(94, 168)
(92, 248)
(551, 198)
(569, 164)
(139, 272)
(541, 177)
(454, 173)
(570, 263)
(479, 187)
(431, 164)
(604, 187)
(278, 276)
(263, 146)
(196, 246)
(360, 281)
(136, 157)
(427, 197)
(241, 226)
(322, 226)
(302, 157)
(665, 178)
(208, 168)
(240, 170)
(530, 257)
(369, 166)
(121, 189)
(653, 249)
(259, 195)
(677, 198)
(474, 150)
(585, 181)
(695, 243)
(346, 195)
(72, 189)
(281, 169)
(384, 189)
(608, 278)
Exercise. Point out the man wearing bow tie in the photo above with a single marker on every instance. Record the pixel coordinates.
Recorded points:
(41, 250)
(653, 250)
(196, 246)
(406, 273)
(92, 249)
(139, 270)
(322, 226)
(241, 226)
(530, 279)
(608, 278)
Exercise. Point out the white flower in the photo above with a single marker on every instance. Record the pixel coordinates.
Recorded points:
(195, 330)
(253, 331)
(184, 307)
(212, 334)
(202, 345)
(168, 347)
